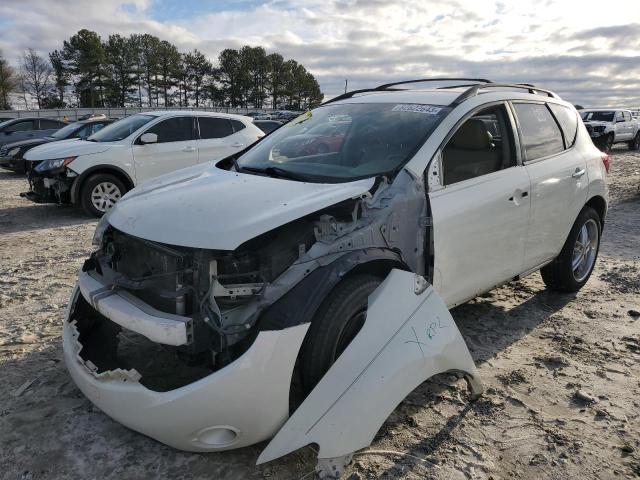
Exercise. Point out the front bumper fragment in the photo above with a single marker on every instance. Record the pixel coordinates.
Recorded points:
(131, 313)
(49, 189)
(243, 403)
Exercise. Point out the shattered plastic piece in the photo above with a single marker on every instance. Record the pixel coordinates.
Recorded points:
(406, 339)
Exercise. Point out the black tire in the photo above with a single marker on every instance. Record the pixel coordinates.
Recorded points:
(337, 321)
(635, 143)
(559, 274)
(607, 143)
(90, 184)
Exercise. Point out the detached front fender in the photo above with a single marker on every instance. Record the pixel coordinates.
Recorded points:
(408, 337)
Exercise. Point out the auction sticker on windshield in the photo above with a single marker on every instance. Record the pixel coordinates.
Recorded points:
(416, 108)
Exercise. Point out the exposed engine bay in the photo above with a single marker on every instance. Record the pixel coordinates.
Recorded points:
(229, 297)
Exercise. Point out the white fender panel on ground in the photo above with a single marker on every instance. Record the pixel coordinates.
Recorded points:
(408, 337)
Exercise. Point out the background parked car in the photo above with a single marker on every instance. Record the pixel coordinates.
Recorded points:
(24, 128)
(95, 173)
(610, 126)
(11, 154)
(267, 126)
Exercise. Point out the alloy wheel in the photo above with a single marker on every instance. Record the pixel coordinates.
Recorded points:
(585, 250)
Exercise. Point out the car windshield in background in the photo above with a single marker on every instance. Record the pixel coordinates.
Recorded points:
(345, 142)
(121, 129)
(65, 131)
(597, 116)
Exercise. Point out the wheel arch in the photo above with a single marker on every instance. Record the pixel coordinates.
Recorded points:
(110, 169)
(300, 304)
(599, 204)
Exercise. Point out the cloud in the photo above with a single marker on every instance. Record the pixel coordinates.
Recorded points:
(586, 53)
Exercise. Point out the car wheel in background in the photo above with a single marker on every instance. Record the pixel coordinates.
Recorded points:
(635, 143)
(607, 144)
(573, 267)
(336, 323)
(100, 193)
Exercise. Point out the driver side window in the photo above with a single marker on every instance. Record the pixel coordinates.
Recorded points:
(482, 144)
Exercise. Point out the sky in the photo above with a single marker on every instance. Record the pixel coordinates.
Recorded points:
(587, 51)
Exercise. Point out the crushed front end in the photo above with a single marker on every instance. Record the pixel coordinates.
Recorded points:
(163, 339)
(50, 181)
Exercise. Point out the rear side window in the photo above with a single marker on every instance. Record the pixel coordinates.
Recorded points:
(568, 121)
(627, 116)
(46, 124)
(178, 129)
(211, 127)
(21, 126)
(539, 132)
(237, 125)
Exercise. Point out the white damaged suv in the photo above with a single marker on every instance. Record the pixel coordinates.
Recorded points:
(215, 289)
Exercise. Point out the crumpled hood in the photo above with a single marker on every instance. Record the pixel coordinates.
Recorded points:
(67, 148)
(207, 207)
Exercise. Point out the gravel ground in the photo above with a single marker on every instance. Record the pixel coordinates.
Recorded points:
(561, 373)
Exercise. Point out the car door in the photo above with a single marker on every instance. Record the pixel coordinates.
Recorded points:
(19, 130)
(480, 210)
(176, 148)
(218, 138)
(558, 177)
(628, 126)
(620, 127)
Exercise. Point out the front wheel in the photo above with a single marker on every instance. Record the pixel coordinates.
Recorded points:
(607, 143)
(336, 323)
(572, 268)
(100, 193)
(635, 143)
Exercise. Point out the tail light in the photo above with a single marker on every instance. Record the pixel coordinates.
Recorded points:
(605, 160)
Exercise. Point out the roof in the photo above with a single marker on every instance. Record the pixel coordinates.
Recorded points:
(452, 95)
(612, 109)
(186, 113)
(427, 96)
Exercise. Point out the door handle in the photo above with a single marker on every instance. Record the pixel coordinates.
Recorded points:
(238, 144)
(189, 149)
(578, 173)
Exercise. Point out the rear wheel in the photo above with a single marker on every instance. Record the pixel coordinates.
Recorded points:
(100, 193)
(635, 143)
(571, 270)
(337, 322)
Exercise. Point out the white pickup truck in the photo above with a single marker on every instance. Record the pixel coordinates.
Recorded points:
(608, 126)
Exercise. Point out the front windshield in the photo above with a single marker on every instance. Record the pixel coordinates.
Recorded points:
(344, 142)
(64, 132)
(597, 116)
(121, 129)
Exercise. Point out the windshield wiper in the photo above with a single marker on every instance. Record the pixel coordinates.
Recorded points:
(277, 172)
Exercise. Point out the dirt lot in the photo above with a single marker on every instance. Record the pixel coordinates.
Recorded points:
(562, 373)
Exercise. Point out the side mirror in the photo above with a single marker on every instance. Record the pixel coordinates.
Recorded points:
(149, 138)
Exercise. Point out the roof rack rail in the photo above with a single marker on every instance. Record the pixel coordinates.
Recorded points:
(475, 90)
(386, 86)
(472, 90)
(420, 80)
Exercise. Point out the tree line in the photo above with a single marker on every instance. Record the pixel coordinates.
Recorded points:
(142, 70)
